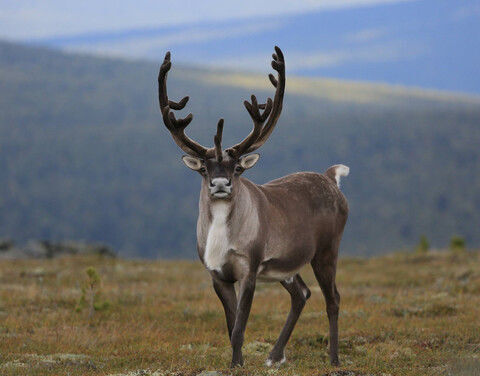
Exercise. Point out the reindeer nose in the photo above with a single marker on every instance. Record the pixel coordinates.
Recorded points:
(220, 183)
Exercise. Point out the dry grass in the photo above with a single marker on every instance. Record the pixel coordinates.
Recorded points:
(400, 315)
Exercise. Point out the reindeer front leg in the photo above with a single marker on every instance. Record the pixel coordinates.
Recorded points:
(226, 293)
(246, 292)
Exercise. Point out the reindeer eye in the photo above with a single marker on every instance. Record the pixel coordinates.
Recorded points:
(202, 169)
(238, 169)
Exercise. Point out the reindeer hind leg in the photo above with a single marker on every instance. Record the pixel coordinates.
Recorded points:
(299, 293)
(324, 265)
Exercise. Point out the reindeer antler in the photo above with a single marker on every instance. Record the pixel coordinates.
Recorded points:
(260, 132)
(174, 125)
(268, 112)
(217, 141)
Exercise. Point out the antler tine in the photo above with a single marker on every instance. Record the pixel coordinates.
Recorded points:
(273, 80)
(178, 105)
(267, 109)
(271, 110)
(258, 118)
(174, 125)
(278, 64)
(217, 141)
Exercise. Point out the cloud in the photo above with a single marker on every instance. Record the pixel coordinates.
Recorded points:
(298, 61)
(365, 35)
(370, 54)
(29, 19)
(134, 46)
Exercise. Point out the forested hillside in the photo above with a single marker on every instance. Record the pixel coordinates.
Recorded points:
(84, 153)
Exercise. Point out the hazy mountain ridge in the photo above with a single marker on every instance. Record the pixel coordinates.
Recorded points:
(84, 154)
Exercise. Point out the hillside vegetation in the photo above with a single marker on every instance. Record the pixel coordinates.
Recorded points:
(401, 314)
(84, 154)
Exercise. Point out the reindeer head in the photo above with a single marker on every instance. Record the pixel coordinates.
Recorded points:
(221, 168)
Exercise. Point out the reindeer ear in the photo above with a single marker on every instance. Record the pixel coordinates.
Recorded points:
(192, 162)
(249, 161)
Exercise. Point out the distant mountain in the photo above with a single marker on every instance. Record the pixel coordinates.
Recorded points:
(84, 154)
(428, 43)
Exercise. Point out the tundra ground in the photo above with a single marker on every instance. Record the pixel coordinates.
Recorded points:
(401, 314)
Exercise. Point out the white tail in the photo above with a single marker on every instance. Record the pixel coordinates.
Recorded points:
(337, 171)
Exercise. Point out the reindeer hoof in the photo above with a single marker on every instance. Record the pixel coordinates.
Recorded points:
(272, 362)
(236, 363)
(335, 363)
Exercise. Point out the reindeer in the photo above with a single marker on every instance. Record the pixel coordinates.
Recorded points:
(248, 232)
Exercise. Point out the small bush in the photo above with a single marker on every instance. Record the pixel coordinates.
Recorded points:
(92, 289)
(423, 245)
(457, 244)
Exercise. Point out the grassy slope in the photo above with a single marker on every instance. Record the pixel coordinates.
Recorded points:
(400, 315)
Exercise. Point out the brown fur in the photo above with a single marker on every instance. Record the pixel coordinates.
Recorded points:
(301, 221)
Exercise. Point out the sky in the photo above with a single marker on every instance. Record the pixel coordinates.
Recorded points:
(426, 43)
(25, 19)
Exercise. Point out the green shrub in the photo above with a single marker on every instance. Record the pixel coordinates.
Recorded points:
(457, 244)
(92, 289)
(423, 245)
